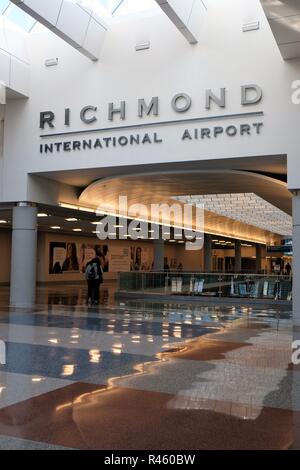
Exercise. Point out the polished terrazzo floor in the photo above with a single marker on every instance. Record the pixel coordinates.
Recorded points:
(146, 376)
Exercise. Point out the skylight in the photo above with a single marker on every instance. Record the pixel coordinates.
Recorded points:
(110, 5)
(98, 7)
(127, 7)
(3, 5)
(117, 7)
(16, 15)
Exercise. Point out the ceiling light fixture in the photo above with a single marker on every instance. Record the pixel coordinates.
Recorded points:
(247, 208)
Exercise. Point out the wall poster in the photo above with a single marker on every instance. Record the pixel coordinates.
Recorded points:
(140, 258)
(66, 257)
(71, 257)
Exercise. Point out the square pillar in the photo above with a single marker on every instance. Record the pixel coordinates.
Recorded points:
(238, 256)
(207, 253)
(159, 252)
(258, 258)
(23, 256)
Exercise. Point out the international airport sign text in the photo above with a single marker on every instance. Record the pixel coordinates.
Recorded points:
(70, 140)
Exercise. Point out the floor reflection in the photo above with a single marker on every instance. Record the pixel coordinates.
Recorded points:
(82, 377)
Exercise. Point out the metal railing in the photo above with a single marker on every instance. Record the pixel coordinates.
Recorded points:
(259, 286)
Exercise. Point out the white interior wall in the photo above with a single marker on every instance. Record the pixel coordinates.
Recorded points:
(224, 57)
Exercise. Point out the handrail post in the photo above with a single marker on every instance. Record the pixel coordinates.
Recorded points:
(220, 287)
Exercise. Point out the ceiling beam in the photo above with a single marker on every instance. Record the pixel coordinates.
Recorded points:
(14, 62)
(186, 15)
(78, 26)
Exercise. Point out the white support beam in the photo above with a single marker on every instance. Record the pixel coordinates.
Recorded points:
(79, 26)
(284, 20)
(186, 15)
(14, 62)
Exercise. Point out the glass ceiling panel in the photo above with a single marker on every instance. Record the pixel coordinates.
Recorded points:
(3, 5)
(111, 7)
(16, 15)
(126, 7)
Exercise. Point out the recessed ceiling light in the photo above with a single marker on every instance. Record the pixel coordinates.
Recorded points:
(71, 219)
(3, 221)
(86, 209)
(42, 214)
(55, 227)
(96, 222)
(77, 230)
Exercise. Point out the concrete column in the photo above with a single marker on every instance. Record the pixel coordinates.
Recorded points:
(23, 256)
(238, 256)
(207, 253)
(296, 259)
(2, 115)
(159, 252)
(258, 258)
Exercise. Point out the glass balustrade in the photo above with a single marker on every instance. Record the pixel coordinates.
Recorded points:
(255, 286)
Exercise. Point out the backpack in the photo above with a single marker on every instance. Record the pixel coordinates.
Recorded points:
(91, 272)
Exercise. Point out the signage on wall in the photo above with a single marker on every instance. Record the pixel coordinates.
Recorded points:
(69, 257)
(140, 134)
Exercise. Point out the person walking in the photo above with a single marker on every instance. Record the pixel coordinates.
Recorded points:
(94, 278)
(288, 269)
